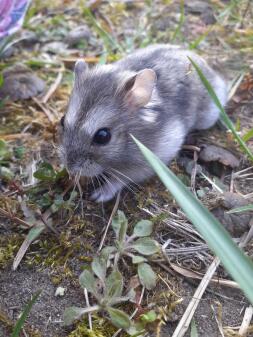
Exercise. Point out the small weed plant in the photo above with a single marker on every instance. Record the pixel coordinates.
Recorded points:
(106, 283)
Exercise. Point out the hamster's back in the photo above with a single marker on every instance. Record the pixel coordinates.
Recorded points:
(178, 84)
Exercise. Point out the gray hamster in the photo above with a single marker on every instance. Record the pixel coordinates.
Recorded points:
(153, 94)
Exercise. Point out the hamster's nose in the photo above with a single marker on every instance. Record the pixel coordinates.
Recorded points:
(76, 160)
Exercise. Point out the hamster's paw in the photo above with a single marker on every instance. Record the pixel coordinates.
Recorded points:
(105, 193)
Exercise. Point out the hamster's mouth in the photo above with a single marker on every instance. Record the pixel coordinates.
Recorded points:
(88, 171)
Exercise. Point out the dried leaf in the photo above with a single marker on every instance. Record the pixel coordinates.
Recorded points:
(214, 153)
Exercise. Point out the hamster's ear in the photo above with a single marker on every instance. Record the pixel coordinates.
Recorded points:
(80, 67)
(140, 87)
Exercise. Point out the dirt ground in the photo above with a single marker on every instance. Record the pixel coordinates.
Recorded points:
(220, 31)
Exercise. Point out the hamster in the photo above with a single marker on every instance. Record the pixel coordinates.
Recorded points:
(153, 94)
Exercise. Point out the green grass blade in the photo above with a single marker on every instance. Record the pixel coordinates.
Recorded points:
(234, 260)
(194, 332)
(248, 135)
(223, 113)
(25, 313)
(109, 41)
(181, 22)
(241, 209)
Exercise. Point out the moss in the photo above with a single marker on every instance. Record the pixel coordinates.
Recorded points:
(9, 245)
(100, 328)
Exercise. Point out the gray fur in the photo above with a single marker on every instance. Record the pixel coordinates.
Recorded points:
(179, 104)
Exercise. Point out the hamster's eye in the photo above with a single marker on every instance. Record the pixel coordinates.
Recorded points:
(62, 121)
(102, 136)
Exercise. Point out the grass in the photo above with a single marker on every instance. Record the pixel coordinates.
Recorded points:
(21, 321)
(234, 260)
(224, 116)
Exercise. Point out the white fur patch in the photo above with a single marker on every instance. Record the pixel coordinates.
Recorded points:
(171, 141)
(149, 115)
(220, 89)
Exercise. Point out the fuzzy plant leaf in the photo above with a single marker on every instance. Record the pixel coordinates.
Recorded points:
(119, 225)
(4, 151)
(138, 259)
(88, 281)
(143, 228)
(71, 314)
(6, 174)
(98, 266)
(146, 246)
(107, 251)
(119, 318)
(114, 285)
(146, 275)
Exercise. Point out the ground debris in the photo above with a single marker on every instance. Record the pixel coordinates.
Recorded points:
(19, 83)
(77, 35)
(210, 153)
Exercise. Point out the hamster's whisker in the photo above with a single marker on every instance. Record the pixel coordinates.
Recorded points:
(128, 187)
(80, 191)
(125, 176)
(94, 188)
(109, 183)
(99, 182)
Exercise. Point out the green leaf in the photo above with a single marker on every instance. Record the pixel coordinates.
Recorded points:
(234, 260)
(138, 259)
(35, 232)
(143, 228)
(146, 275)
(61, 174)
(146, 246)
(20, 323)
(88, 281)
(6, 174)
(248, 135)
(107, 251)
(71, 314)
(119, 318)
(194, 332)
(4, 152)
(1, 79)
(149, 316)
(114, 285)
(119, 225)
(223, 113)
(19, 152)
(45, 172)
(241, 209)
(98, 266)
